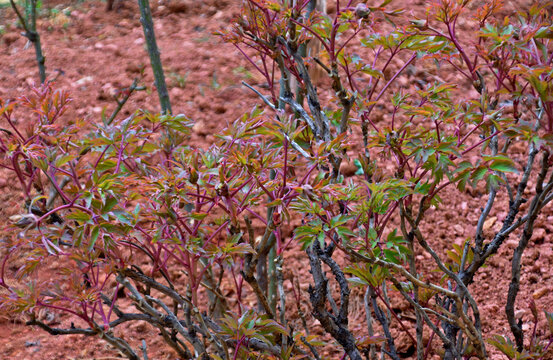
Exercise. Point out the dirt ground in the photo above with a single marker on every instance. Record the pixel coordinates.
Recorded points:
(92, 53)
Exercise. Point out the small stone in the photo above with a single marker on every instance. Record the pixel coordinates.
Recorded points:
(459, 229)
(30, 343)
(112, 47)
(539, 234)
(30, 81)
(176, 92)
(540, 293)
(519, 314)
(83, 81)
(489, 223)
(199, 128)
(109, 89)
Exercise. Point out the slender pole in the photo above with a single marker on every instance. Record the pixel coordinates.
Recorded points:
(153, 52)
(29, 25)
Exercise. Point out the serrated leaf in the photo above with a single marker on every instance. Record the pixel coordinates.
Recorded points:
(198, 216)
(79, 216)
(93, 237)
(109, 204)
(106, 165)
(64, 160)
(503, 166)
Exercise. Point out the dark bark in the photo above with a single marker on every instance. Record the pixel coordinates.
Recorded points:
(335, 324)
(535, 206)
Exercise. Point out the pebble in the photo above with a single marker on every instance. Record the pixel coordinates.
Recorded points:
(30, 343)
(83, 81)
(540, 293)
(459, 229)
(176, 92)
(539, 234)
(489, 223)
(199, 128)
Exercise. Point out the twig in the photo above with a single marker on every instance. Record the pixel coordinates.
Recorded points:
(311, 348)
(263, 97)
(120, 103)
(379, 314)
(144, 353)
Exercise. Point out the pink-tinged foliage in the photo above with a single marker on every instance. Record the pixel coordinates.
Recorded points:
(135, 213)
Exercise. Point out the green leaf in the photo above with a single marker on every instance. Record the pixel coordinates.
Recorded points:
(549, 317)
(64, 160)
(106, 165)
(503, 345)
(503, 165)
(545, 32)
(93, 237)
(109, 204)
(198, 216)
(478, 173)
(372, 234)
(79, 216)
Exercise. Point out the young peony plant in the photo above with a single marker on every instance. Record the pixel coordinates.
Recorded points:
(146, 227)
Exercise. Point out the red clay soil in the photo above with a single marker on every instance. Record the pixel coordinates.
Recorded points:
(92, 53)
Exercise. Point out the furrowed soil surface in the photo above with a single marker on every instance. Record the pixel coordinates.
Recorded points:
(94, 53)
